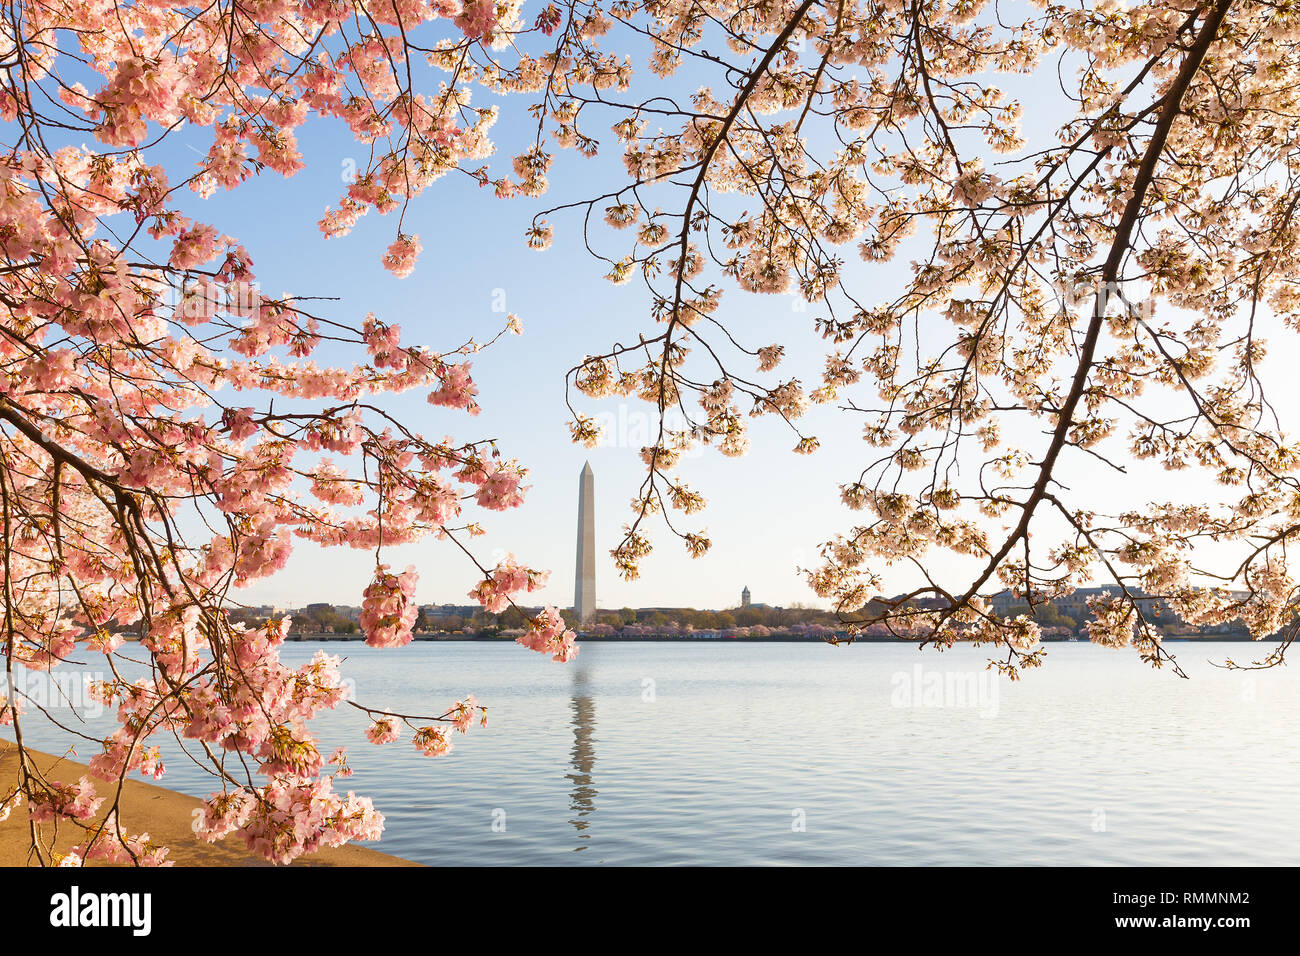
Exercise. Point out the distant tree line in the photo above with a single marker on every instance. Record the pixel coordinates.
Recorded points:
(326, 618)
(755, 620)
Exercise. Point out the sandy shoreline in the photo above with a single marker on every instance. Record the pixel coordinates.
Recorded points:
(164, 813)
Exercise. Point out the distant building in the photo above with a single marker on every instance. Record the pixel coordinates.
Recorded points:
(1075, 604)
(435, 611)
(744, 597)
(1157, 610)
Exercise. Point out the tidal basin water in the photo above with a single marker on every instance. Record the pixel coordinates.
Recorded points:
(732, 753)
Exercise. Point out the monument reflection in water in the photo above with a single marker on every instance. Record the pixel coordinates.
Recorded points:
(582, 758)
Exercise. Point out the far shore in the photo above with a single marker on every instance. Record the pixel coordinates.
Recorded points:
(164, 814)
(771, 639)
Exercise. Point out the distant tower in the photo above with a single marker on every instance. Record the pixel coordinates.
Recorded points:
(584, 575)
(744, 597)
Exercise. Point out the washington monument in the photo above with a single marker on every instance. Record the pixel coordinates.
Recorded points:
(584, 575)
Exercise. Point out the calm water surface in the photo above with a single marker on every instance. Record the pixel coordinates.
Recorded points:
(671, 753)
